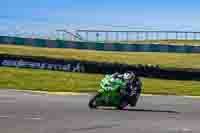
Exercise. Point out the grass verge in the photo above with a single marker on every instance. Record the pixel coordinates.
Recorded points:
(54, 81)
(165, 60)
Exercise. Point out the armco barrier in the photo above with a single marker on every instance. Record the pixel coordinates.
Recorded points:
(95, 67)
(99, 46)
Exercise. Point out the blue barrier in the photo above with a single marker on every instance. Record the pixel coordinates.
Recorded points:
(100, 46)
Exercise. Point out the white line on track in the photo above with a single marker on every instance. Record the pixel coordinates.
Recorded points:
(33, 118)
(180, 130)
(5, 117)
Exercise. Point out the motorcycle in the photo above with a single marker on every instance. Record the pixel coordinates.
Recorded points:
(111, 93)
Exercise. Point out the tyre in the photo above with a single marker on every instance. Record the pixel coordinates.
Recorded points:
(123, 103)
(134, 100)
(92, 102)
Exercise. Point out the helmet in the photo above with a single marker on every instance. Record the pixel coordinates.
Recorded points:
(129, 75)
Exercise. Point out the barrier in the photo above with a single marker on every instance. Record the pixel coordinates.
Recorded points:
(99, 46)
(35, 62)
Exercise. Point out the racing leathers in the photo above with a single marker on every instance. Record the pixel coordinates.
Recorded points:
(133, 88)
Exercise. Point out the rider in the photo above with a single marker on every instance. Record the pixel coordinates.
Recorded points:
(133, 84)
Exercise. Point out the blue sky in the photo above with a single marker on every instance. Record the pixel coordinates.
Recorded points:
(48, 15)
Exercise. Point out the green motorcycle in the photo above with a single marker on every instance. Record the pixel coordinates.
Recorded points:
(111, 94)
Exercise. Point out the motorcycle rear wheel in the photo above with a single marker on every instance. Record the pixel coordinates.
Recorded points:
(123, 103)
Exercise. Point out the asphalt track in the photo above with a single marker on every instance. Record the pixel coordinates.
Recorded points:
(27, 112)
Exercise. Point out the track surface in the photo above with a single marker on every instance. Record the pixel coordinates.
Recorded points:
(25, 112)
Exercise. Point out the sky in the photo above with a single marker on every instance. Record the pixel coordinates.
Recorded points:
(49, 15)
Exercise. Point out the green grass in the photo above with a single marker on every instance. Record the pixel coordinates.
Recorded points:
(176, 60)
(44, 80)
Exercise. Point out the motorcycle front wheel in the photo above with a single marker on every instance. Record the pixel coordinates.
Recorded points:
(92, 102)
